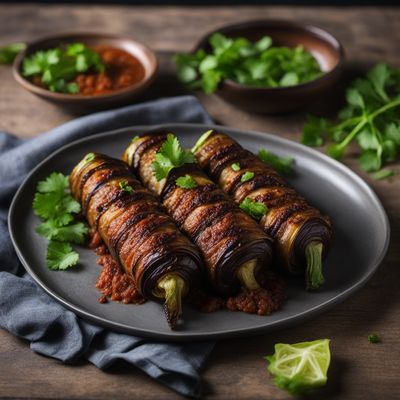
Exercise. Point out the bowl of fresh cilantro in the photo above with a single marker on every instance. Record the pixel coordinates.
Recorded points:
(85, 71)
(267, 66)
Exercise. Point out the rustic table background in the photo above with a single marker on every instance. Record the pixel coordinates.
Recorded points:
(236, 369)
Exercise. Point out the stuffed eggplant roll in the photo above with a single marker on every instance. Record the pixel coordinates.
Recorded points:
(302, 234)
(138, 233)
(233, 246)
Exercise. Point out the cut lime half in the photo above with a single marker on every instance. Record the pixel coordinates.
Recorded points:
(300, 367)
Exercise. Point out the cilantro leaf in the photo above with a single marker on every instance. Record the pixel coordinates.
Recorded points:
(9, 52)
(379, 77)
(55, 205)
(281, 164)
(170, 155)
(46, 205)
(253, 208)
(370, 161)
(125, 187)
(56, 183)
(186, 182)
(61, 256)
(313, 131)
(69, 205)
(74, 233)
(369, 117)
(354, 98)
(56, 68)
(374, 338)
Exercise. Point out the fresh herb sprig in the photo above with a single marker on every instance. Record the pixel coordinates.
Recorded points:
(170, 155)
(374, 338)
(58, 209)
(9, 52)
(126, 187)
(59, 66)
(371, 117)
(186, 182)
(254, 208)
(254, 64)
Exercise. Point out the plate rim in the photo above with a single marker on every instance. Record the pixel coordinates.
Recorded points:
(181, 336)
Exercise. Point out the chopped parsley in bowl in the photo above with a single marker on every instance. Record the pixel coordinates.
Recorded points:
(266, 66)
(257, 63)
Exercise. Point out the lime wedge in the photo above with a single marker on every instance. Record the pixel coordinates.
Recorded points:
(300, 367)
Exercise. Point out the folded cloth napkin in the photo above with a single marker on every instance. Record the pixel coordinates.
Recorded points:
(28, 312)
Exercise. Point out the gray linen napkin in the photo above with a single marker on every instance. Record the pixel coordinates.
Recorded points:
(28, 312)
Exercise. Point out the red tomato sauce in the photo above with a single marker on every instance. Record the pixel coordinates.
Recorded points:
(116, 285)
(122, 70)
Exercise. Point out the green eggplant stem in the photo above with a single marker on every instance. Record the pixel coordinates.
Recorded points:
(246, 275)
(314, 277)
(172, 287)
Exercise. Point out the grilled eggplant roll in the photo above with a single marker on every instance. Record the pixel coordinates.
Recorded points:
(302, 234)
(233, 246)
(138, 233)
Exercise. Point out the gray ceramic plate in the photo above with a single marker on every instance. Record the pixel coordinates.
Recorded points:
(360, 224)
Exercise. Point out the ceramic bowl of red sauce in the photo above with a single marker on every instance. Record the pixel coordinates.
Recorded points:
(86, 71)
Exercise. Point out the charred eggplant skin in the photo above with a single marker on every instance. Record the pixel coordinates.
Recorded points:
(134, 226)
(225, 235)
(290, 220)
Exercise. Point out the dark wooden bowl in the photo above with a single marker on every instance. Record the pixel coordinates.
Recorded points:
(325, 47)
(81, 103)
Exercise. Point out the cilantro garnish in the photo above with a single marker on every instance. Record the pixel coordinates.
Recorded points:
(281, 164)
(371, 117)
(236, 166)
(9, 52)
(125, 187)
(170, 155)
(61, 256)
(186, 182)
(54, 204)
(57, 67)
(374, 338)
(74, 233)
(253, 208)
(255, 64)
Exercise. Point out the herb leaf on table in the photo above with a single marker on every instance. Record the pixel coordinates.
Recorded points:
(371, 117)
(9, 52)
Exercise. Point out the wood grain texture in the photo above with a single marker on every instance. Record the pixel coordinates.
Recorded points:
(235, 369)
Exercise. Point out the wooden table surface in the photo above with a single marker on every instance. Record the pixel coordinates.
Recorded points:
(236, 369)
